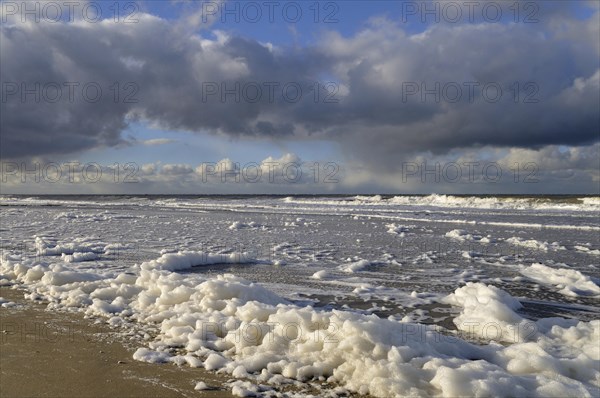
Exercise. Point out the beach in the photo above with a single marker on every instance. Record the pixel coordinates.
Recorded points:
(54, 354)
(300, 199)
(300, 296)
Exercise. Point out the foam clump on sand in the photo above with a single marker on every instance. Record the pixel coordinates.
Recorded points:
(397, 229)
(355, 266)
(150, 356)
(320, 274)
(586, 249)
(228, 324)
(7, 303)
(570, 282)
(188, 259)
(237, 225)
(247, 389)
(77, 257)
(535, 244)
(201, 386)
(46, 247)
(486, 311)
(462, 235)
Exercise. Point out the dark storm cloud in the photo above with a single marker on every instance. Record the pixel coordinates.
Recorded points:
(176, 81)
(162, 77)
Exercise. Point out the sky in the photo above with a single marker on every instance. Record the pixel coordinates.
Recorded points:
(300, 97)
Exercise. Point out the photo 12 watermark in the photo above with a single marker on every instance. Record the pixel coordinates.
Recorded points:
(69, 92)
(469, 91)
(455, 12)
(69, 11)
(221, 172)
(42, 250)
(270, 92)
(270, 172)
(254, 12)
(43, 332)
(69, 172)
(469, 172)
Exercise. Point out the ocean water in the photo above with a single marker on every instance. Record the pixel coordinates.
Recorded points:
(385, 295)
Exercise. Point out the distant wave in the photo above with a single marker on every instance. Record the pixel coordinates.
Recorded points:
(434, 200)
(478, 202)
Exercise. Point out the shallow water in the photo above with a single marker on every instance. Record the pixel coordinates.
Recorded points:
(394, 257)
(316, 233)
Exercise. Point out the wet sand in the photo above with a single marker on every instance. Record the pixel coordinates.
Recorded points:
(54, 354)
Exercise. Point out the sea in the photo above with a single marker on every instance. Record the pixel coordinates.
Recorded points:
(329, 295)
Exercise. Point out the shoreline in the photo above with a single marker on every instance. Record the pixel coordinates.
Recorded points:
(62, 354)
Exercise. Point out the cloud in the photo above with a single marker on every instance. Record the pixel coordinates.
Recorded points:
(491, 170)
(148, 169)
(158, 72)
(551, 169)
(176, 169)
(158, 141)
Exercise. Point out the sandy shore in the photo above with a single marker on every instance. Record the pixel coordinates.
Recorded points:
(54, 354)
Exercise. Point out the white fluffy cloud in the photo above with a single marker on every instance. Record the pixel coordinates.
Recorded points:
(551, 169)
